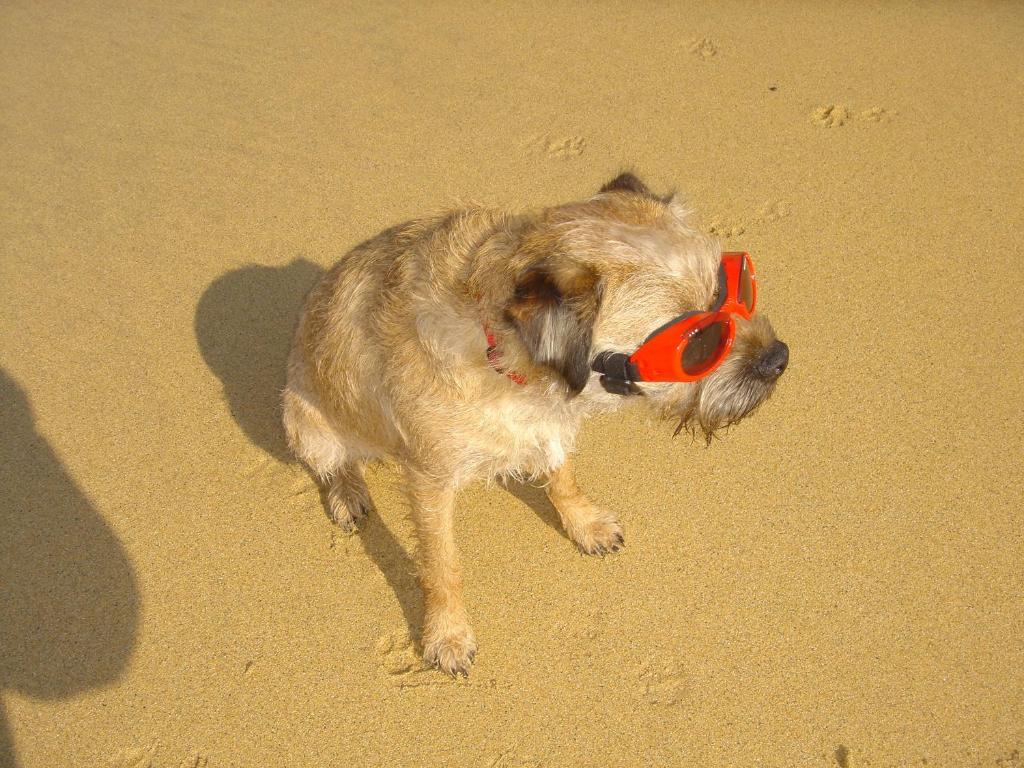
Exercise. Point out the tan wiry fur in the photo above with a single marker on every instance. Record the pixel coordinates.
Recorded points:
(389, 360)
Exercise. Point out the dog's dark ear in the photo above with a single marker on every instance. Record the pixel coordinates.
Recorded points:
(553, 309)
(627, 182)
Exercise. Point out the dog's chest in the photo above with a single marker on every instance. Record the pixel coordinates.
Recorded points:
(515, 437)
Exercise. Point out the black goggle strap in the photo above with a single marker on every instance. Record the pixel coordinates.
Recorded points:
(617, 373)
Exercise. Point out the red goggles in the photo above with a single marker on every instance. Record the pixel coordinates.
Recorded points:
(690, 346)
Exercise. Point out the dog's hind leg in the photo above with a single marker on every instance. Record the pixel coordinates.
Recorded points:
(595, 531)
(337, 467)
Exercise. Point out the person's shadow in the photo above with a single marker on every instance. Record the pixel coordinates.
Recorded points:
(69, 602)
(244, 324)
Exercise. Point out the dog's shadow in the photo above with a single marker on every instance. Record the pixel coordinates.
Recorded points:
(244, 324)
(536, 499)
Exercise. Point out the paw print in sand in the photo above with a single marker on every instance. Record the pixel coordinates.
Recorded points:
(726, 231)
(664, 684)
(769, 213)
(831, 115)
(563, 148)
(836, 115)
(703, 47)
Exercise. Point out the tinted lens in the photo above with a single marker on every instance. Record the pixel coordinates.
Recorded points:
(746, 285)
(702, 349)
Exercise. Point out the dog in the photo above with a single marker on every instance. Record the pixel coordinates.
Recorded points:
(472, 344)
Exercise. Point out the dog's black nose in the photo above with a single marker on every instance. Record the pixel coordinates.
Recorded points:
(774, 361)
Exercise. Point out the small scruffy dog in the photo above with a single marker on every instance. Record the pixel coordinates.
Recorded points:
(473, 344)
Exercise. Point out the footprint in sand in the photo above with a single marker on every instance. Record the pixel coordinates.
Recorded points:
(771, 212)
(403, 666)
(405, 669)
(875, 115)
(831, 115)
(726, 231)
(397, 654)
(665, 684)
(836, 115)
(558, 149)
(142, 757)
(343, 543)
(1013, 760)
(704, 47)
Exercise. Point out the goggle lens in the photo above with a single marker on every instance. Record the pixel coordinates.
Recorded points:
(704, 347)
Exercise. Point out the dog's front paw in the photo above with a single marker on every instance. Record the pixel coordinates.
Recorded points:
(451, 650)
(599, 536)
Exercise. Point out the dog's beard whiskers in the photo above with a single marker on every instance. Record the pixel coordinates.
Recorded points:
(727, 399)
(691, 423)
(718, 402)
(686, 411)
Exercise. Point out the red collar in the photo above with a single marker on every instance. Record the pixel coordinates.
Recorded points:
(495, 360)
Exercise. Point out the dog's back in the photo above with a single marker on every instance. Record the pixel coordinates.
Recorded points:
(358, 345)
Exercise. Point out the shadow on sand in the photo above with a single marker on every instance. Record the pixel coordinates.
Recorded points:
(69, 603)
(244, 324)
(536, 499)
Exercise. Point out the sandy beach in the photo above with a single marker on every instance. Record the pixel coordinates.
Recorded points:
(837, 583)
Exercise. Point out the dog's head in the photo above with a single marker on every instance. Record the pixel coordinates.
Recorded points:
(601, 275)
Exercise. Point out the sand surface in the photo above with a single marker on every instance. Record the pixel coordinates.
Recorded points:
(837, 583)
